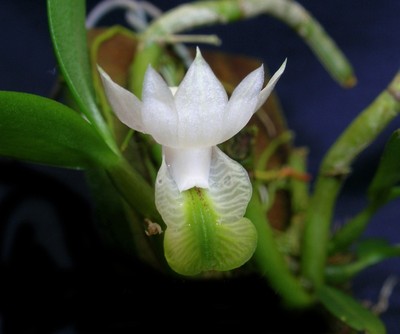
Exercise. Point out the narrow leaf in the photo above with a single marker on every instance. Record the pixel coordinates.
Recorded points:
(369, 253)
(348, 310)
(388, 172)
(377, 248)
(68, 33)
(42, 130)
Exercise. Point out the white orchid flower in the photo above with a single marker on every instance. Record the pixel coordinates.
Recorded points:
(201, 193)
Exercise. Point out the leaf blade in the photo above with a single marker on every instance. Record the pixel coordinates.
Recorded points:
(41, 130)
(68, 33)
(369, 253)
(350, 311)
(387, 174)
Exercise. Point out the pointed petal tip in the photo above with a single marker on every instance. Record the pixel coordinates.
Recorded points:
(149, 70)
(279, 72)
(199, 56)
(271, 85)
(260, 69)
(198, 52)
(283, 66)
(102, 72)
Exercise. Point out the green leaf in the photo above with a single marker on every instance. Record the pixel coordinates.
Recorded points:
(69, 36)
(42, 130)
(369, 252)
(378, 249)
(349, 311)
(388, 172)
(136, 191)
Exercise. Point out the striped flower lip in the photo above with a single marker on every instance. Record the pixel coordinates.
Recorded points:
(190, 119)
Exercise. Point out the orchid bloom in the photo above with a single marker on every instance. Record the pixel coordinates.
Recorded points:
(200, 192)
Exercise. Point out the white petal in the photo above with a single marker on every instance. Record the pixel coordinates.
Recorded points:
(270, 86)
(242, 103)
(126, 105)
(189, 167)
(158, 110)
(230, 186)
(200, 102)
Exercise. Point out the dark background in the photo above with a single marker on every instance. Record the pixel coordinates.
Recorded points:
(55, 278)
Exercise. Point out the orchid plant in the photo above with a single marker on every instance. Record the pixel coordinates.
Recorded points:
(183, 175)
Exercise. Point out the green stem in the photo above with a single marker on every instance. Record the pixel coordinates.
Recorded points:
(316, 230)
(335, 166)
(119, 222)
(351, 230)
(271, 149)
(299, 189)
(272, 263)
(203, 13)
(135, 190)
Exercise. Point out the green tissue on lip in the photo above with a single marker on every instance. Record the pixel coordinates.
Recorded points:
(203, 242)
(206, 229)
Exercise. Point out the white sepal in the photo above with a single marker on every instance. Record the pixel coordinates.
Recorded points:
(158, 111)
(242, 103)
(125, 104)
(263, 96)
(200, 102)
